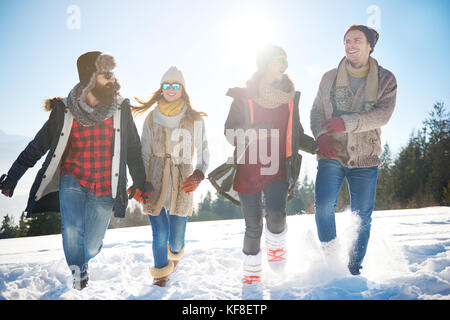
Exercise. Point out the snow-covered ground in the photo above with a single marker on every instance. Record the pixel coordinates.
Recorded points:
(408, 258)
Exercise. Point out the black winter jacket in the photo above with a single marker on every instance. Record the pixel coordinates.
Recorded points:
(53, 137)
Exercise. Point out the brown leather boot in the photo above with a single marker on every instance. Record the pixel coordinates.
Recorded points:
(161, 282)
(161, 275)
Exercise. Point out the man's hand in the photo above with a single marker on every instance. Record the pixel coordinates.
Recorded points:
(7, 185)
(333, 125)
(326, 147)
(139, 195)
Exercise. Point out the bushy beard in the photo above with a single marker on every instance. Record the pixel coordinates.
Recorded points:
(107, 93)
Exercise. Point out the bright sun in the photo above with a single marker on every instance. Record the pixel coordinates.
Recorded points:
(245, 34)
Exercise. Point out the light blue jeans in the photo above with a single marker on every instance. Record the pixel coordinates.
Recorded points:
(167, 230)
(84, 220)
(362, 183)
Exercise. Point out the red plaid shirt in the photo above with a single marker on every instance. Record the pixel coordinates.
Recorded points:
(89, 157)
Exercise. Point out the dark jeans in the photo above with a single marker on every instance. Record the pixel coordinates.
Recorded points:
(271, 203)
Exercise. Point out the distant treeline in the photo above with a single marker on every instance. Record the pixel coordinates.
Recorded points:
(418, 177)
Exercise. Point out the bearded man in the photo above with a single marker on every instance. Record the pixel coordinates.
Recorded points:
(90, 137)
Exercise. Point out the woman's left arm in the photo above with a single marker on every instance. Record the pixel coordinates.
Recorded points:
(201, 147)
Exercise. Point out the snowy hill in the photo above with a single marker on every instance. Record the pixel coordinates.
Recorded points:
(408, 258)
(10, 148)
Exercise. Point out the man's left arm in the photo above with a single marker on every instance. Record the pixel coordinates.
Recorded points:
(377, 117)
(134, 156)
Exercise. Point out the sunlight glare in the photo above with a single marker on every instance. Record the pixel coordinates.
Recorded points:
(245, 35)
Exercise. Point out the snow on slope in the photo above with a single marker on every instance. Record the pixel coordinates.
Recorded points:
(408, 258)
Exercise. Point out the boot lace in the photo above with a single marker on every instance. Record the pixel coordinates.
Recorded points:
(276, 255)
(251, 279)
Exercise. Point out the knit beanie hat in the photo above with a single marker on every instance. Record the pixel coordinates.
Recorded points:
(89, 65)
(266, 54)
(173, 74)
(371, 34)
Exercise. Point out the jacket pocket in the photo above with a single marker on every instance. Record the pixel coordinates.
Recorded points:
(373, 143)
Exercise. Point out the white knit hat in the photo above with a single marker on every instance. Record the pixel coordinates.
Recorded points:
(173, 74)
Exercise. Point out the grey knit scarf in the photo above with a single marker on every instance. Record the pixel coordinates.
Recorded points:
(85, 114)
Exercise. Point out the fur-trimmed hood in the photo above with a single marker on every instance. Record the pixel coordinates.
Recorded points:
(48, 103)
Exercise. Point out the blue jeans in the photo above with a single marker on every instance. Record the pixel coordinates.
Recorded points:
(84, 220)
(362, 183)
(167, 229)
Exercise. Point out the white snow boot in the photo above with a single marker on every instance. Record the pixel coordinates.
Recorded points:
(331, 251)
(252, 269)
(276, 249)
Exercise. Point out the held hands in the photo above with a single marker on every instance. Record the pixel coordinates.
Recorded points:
(333, 125)
(326, 147)
(192, 182)
(139, 195)
(148, 189)
(7, 185)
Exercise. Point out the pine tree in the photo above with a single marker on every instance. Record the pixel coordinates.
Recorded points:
(134, 217)
(205, 204)
(225, 208)
(8, 229)
(384, 195)
(437, 154)
(24, 226)
(410, 171)
(421, 173)
(44, 224)
(303, 200)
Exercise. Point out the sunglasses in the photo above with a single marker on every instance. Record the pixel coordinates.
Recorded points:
(281, 59)
(175, 86)
(108, 75)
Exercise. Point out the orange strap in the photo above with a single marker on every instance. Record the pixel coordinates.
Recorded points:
(250, 104)
(289, 130)
(251, 279)
(276, 255)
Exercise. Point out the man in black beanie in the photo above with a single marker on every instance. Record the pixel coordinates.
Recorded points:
(90, 137)
(370, 34)
(353, 102)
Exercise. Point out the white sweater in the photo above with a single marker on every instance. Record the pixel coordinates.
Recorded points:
(173, 122)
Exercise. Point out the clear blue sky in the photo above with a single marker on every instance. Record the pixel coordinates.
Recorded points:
(213, 43)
